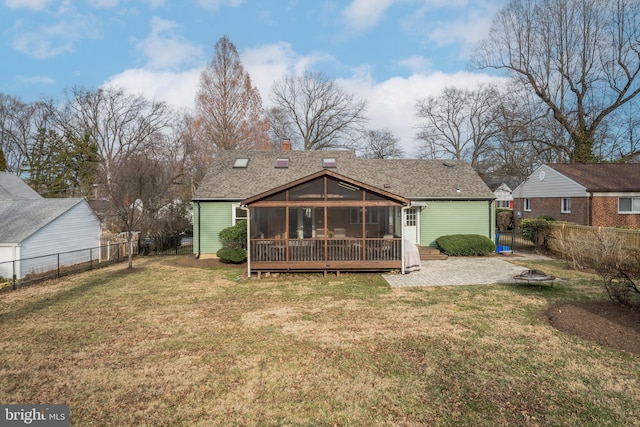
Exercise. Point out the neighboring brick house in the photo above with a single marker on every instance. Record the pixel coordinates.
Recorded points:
(602, 194)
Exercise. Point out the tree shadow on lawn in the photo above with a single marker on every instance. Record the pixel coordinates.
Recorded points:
(57, 297)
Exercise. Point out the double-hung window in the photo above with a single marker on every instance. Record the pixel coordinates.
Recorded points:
(527, 205)
(237, 214)
(565, 205)
(629, 205)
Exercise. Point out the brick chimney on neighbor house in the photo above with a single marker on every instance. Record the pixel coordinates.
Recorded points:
(286, 145)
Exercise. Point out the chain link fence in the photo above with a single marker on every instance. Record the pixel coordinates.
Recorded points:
(22, 272)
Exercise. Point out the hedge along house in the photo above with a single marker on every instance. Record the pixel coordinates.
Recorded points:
(331, 211)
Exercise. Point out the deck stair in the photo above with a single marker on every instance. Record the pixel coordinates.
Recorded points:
(428, 253)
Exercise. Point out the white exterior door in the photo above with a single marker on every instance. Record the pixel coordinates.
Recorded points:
(411, 225)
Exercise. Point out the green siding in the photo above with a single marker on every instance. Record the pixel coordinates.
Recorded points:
(441, 218)
(214, 216)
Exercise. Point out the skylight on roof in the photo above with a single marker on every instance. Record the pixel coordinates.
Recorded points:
(282, 163)
(329, 162)
(241, 163)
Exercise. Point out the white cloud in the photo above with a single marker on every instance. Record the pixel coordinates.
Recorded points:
(467, 30)
(417, 64)
(38, 80)
(362, 15)
(269, 63)
(48, 41)
(216, 4)
(177, 89)
(164, 49)
(456, 24)
(391, 103)
(28, 4)
(106, 4)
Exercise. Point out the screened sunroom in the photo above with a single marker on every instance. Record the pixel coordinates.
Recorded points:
(325, 222)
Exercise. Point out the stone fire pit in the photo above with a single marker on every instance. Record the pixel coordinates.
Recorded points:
(535, 276)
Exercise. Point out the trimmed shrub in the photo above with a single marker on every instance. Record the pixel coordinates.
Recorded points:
(232, 255)
(234, 236)
(465, 245)
(234, 241)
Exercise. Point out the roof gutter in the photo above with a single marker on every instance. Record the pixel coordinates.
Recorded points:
(456, 199)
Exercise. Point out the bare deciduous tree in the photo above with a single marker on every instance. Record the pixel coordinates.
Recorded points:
(381, 144)
(580, 57)
(139, 189)
(459, 123)
(119, 124)
(16, 131)
(229, 108)
(318, 112)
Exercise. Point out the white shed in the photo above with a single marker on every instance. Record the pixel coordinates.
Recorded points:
(38, 234)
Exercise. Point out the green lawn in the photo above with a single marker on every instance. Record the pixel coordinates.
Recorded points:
(171, 345)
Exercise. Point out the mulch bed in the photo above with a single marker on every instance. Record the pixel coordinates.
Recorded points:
(603, 322)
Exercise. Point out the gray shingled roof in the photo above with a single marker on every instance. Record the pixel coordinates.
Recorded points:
(604, 177)
(19, 219)
(410, 178)
(12, 188)
(23, 211)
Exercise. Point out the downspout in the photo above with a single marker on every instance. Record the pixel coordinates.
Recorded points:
(492, 237)
(403, 215)
(198, 254)
(245, 208)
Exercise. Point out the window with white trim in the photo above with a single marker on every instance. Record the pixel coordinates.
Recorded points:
(237, 214)
(629, 205)
(503, 204)
(411, 219)
(527, 205)
(565, 205)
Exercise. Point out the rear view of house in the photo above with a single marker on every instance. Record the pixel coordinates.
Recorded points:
(329, 210)
(32, 227)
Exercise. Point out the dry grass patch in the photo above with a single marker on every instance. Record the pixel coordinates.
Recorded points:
(175, 345)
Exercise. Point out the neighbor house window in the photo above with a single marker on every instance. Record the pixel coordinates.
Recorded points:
(527, 205)
(566, 205)
(504, 204)
(629, 205)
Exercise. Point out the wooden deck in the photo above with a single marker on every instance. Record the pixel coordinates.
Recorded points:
(325, 254)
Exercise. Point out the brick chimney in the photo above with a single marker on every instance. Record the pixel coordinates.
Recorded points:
(286, 145)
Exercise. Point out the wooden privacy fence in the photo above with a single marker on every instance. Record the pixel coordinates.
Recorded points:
(599, 240)
(628, 238)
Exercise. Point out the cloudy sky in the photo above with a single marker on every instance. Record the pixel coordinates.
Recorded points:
(389, 52)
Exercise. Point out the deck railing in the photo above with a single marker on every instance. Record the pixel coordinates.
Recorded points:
(340, 249)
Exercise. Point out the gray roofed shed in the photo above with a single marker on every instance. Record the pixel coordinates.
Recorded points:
(22, 218)
(13, 188)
